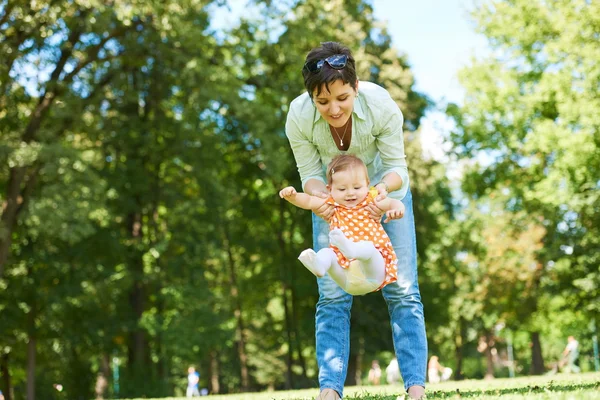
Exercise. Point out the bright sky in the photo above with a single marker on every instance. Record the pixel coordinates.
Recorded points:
(438, 38)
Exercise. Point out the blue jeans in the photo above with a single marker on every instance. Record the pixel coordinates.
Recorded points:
(404, 306)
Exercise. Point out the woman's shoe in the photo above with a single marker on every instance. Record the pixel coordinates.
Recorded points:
(328, 394)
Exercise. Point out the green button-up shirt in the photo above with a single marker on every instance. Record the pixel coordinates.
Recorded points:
(377, 137)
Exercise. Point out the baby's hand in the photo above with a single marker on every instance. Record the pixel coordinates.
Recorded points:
(394, 214)
(287, 192)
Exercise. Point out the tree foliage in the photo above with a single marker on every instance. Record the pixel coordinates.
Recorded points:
(528, 131)
(140, 148)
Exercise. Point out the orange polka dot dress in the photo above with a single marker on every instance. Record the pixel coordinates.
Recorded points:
(358, 226)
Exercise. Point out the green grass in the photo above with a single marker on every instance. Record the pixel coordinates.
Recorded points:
(557, 387)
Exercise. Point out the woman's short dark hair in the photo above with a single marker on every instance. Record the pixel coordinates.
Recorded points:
(327, 75)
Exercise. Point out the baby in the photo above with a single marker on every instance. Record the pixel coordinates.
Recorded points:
(360, 258)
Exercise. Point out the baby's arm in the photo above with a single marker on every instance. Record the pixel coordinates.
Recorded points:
(394, 209)
(301, 200)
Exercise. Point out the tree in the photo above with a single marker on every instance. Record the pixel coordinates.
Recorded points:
(528, 119)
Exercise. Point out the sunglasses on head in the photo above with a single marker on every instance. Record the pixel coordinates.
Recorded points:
(336, 61)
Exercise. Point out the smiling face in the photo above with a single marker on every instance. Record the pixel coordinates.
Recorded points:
(336, 104)
(349, 186)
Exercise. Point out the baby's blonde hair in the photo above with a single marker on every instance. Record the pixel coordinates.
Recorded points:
(345, 162)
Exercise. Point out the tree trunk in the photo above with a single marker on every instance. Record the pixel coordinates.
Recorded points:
(286, 294)
(214, 372)
(241, 346)
(289, 380)
(359, 359)
(10, 209)
(105, 365)
(6, 376)
(31, 342)
(161, 367)
(237, 310)
(459, 341)
(537, 360)
(163, 360)
(297, 340)
(138, 354)
(351, 375)
(137, 344)
(295, 331)
(31, 367)
(489, 357)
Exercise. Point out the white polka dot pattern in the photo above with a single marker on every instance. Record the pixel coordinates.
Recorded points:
(358, 226)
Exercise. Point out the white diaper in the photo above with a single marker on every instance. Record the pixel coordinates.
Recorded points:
(357, 283)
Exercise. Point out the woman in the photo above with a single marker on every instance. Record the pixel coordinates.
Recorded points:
(337, 115)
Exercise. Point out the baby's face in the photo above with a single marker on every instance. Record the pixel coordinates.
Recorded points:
(349, 187)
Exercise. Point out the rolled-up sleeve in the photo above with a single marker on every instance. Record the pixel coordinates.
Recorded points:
(305, 152)
(390, 143)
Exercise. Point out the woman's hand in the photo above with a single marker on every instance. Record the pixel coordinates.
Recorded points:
(374, 211)
(324, 211)
(382, 191)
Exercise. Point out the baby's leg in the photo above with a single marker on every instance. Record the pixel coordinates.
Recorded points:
(318, 263)
(324, 261)
(338, 273)
(371, 259)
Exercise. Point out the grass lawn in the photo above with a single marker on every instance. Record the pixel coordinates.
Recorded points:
(557, 387)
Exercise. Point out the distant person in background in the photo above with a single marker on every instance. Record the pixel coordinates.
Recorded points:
(392, 372)
(375, 373)
(101, 385)
(1, 395)
(193, 379)
(571, 355)
(437, 372)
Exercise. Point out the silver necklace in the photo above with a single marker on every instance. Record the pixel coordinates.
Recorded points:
(345, 130)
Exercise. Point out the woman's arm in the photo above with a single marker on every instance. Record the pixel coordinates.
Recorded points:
(308, 160)
(389, 139)
(389, 183)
